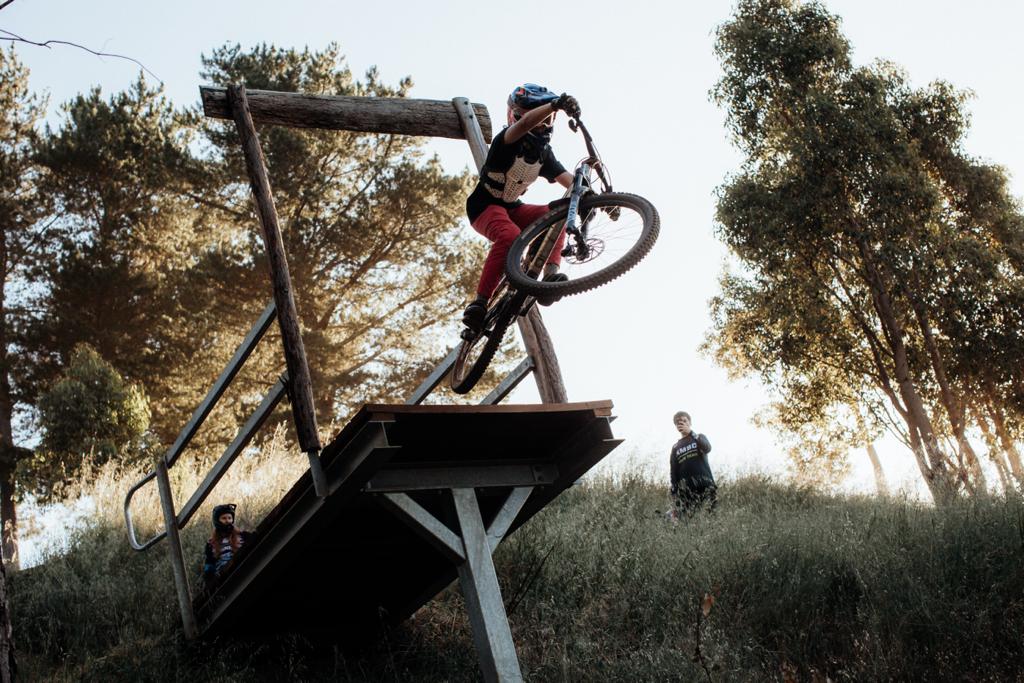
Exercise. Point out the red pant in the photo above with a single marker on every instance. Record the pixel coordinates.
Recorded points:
(502, 226)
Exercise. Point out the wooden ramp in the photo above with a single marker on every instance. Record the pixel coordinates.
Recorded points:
(418, 496)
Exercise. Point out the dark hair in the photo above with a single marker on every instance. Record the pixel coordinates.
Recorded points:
(682, 413)
(215, 540)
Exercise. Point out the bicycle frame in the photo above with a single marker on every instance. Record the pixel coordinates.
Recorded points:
(581, 183)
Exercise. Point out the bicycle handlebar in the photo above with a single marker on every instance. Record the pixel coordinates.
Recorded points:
(576, 125)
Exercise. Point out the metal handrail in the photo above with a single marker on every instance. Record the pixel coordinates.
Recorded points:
(199, 416)
(242, 353)
(128, 515)
(236, 448)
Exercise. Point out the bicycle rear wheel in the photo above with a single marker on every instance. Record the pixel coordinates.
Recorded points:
(620, 229)
(476, 354)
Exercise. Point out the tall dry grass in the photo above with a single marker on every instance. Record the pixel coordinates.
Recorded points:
(782, 583)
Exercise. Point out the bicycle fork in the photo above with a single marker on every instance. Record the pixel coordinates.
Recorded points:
(580, 233)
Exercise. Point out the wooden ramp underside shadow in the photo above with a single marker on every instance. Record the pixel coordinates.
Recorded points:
(349, 564)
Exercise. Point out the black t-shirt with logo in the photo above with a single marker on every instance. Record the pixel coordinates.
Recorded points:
(689, 462)
(510, 170)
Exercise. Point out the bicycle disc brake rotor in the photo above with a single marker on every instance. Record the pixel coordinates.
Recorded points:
(588, 251)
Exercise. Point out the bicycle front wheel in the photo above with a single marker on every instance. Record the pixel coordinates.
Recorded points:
(620, 229)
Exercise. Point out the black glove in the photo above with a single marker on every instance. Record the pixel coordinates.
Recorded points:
(568, 104)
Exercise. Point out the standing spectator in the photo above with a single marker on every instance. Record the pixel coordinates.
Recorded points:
(692, 483)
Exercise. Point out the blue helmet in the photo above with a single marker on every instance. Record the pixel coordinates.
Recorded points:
(529, 96)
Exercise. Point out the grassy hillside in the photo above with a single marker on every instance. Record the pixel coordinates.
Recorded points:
(795, 585)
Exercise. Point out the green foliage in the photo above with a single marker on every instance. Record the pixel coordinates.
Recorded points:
(378, 255)
(125, 243)
(600, 586)
(23, 247)
(21, 204)
(89, 413)
(160, 263)
(881, 262)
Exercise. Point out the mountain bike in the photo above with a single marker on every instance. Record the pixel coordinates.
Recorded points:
(607, 233)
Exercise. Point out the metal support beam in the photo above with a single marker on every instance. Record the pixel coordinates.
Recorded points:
(242, 439)
(425, 525)
(188, 618)
(491, 632)
(433, 379)
(510, 382)
(471, 129)
(507, 514)
(484, 476)
(243, 352)
(471, 552)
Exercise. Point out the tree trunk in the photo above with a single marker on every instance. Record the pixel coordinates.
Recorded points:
(1006, 440)
(8, 460)
(8, 511)
(8, 453)
(994, 453)
(881, 485)
(937, 475)
(979, 482)
(8, 665)
(973, 475)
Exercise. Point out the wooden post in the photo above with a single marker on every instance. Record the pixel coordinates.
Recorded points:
(535, 335)
(301, 394)
(540, 347)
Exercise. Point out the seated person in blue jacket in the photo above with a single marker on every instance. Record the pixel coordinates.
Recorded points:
(692, 484)
(224, 544)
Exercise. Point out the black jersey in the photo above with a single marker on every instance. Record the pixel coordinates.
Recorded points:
(689, 462)
(510, 170)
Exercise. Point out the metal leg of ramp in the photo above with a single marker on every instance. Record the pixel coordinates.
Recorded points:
(472, 553)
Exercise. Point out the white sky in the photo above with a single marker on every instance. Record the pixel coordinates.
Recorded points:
(642, 71)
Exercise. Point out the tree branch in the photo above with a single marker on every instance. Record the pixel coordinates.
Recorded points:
(15, 38)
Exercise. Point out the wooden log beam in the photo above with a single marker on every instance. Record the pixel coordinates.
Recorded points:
(547, 372)
(301, 393)
(398, 115)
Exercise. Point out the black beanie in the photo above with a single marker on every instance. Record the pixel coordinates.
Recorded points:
(219, 510)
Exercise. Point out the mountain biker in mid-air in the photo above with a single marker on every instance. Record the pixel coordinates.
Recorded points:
(519, 154)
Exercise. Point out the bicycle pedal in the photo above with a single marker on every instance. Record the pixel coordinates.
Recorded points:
(468, 334)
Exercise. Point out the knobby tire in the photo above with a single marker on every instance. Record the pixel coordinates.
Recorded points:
(522, 282)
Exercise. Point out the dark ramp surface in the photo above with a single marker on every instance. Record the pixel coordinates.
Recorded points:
(346, 564)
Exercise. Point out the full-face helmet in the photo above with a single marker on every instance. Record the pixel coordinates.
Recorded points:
(530, 96)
